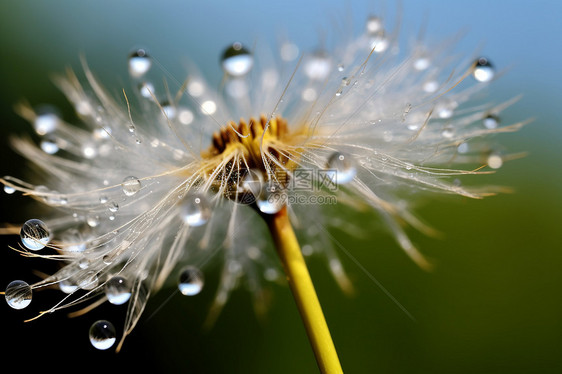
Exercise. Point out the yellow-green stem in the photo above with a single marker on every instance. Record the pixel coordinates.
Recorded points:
(305, 296)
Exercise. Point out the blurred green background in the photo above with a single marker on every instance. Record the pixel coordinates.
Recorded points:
(492, 305)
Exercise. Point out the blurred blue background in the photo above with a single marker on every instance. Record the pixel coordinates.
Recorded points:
(492, 305)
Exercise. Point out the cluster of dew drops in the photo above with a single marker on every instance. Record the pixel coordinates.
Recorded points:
(236, 61)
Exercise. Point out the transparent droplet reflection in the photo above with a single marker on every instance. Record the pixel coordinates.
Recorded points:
(18, 294)
(131, 185)
(117, 290)
(237, 60)
(341, 168)
(190, 281)
(483, 70)
(34, 234)
(139, 63)
(102, 334)
(195, 209)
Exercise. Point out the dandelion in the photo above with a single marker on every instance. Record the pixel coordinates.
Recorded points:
(157, 182)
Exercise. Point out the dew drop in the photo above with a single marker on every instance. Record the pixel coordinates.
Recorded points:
(34, 234)
(103, 199)
(463, 148)
(46, 121)
(190, 281)
(491, 121)
(9, 189)
(89, 281)
(237, 60)
(340, 67)
(448, 132)
(93, 220)
(102, 334)
(483, 70)
(208, 107)
(342, 167)
(18, 294)
(67, 286)
(421, 63)
(84, 263)
(146, 90)
(185, 116)
(373, 24)
(139, 63)
(131, 185)
(117, 290)
(272, 198)
(49, 146)
(495, 160)
(289, 51)
(318, 66)
(195, 209)
(168, 110)
(89, 151)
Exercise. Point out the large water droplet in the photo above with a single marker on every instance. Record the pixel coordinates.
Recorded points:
(318, 66)
(190, 281)
(483, 70)
(195, 209)
(131, 185)
(249, 188)
(237, 60)
(343, 168)
(102, 334)
(18, 294)
(139, 63)
(272, 198)
(117, 290)
(35, 234)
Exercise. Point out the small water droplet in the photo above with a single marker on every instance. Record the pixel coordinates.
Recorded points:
(168, 110)
(18, 294)
(46, 121)
(34, 234)
(117, 290)
(103, 199)
(93, 220)
(448, 132)
(463, 148)
(113, 207)
(88, 281)
(289, 51)
(67, 286)
(49, 146)
(131, 185)
(89, 151)
(430, 86)
(495, 160)
(102, 334)
(83, 263)
(139, 63)
(186, 116)
(9, 189)
(318, 65)
(483, 70)
(190, 281)
(491, 121)
(340, 67)
(237, 60)
(373, 24)
(421, 63)
(146, 90)
(195, 209)
(208, 107)
(343, 168)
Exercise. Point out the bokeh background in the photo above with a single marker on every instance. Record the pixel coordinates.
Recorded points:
(492, 305)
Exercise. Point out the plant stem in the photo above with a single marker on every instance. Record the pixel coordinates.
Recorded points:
(305, 296)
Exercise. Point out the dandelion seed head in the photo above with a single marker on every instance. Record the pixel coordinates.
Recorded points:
(155, 184)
